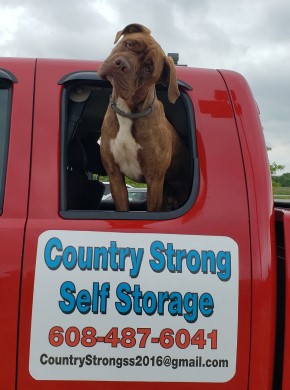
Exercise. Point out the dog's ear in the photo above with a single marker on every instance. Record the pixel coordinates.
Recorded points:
(169, 78)
(132, 28)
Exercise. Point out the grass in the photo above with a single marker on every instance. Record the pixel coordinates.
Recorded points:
(281, 192)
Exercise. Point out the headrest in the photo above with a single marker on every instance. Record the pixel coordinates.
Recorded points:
(80, 94)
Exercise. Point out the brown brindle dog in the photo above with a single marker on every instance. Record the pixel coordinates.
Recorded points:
(136, 138)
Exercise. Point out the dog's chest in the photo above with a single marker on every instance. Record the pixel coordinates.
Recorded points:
(125, 148)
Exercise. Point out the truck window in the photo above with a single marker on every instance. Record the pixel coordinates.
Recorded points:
(5, 101)
(85, 187)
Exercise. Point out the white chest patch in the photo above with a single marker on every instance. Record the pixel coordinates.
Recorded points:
(124, 147)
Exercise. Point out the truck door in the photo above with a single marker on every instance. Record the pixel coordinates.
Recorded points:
(16, 110)
(133, 299)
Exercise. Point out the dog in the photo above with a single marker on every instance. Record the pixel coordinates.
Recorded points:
(136, 138)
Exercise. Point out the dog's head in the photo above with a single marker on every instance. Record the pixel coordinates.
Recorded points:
(136, 64)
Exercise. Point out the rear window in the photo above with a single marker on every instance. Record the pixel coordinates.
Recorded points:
(85, 186)
(5, 110)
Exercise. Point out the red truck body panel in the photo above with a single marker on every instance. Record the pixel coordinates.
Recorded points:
(262, 230)
(234, 200)
(13, 219)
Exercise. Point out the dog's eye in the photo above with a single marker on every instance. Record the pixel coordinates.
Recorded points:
(129, 44)
(148, 68)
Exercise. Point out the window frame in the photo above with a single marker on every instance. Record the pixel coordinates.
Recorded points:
(6, 81)
(91, 78)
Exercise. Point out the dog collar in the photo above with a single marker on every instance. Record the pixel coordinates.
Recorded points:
(133, 115)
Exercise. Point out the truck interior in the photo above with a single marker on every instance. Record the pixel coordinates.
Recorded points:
(281, 252)
(85, 100)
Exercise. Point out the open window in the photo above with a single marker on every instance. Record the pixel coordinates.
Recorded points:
(85, 191)
(6, 80)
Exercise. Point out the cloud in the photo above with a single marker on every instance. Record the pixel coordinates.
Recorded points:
(249, 36)
(65, 29)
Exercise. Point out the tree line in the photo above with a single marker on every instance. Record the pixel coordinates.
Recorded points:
(279, 181)
(283, 180)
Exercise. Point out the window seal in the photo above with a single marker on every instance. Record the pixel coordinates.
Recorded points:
(6, 80)
(92, 79)
(7, 75)
(91, 75)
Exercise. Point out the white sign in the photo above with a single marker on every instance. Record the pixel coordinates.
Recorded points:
(134, 307)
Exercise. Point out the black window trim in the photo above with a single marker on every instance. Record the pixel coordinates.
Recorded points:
(6, 74)
(6, 80)
(93, 79)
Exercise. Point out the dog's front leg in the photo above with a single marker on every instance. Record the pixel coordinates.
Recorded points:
(119, 192)
(155, 195)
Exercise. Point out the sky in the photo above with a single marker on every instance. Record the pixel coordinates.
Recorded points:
(249, 36)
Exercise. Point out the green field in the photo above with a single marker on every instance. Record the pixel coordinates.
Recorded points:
(281, 192)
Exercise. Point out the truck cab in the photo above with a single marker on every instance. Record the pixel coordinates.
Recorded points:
(194, 298)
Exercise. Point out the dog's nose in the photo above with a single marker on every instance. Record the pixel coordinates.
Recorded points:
(122, 64)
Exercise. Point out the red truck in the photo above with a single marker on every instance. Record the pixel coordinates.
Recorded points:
(195, 298)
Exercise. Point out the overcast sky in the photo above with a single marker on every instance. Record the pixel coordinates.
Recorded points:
(248, 36)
